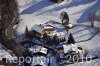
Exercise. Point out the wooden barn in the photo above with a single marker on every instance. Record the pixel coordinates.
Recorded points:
(57, 1)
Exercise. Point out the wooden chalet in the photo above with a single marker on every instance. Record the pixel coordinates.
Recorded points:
(39, 30)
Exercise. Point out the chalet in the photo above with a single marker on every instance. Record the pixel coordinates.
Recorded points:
(39, 30)
(38, 49)
(39, 56)
(57, 1)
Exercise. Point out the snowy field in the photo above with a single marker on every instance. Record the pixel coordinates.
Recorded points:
(5, 53)
(41, 11)
(90, 63)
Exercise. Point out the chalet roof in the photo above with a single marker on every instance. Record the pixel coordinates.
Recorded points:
(37, 60)
(40, 28)
(37, 49)
(70, 25)
(59, 32)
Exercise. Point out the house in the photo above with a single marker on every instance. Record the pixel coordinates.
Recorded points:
(73, 47)
(39, 56)
(39, 30)
(37, 49)
(57, 1)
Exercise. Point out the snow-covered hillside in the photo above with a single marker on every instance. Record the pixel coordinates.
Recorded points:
(41, 11)
(25, 4)
(90, 63)
(5, 53)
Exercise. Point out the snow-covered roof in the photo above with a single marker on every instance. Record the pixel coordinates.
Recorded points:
(67, 48)
(48, 26)
(43, 50)
(40, 28)
(37, 49)
(70, 25)
(40, 60)
(59, 34)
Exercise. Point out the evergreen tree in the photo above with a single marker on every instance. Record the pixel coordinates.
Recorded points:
(55, 39)
(26, 31)
(71, 39)
(65, 18)
(64, 39)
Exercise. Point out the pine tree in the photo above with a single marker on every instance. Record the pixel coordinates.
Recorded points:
(64, 39)
(71, 39)
(26, 31)
(65, 18)
(55, 39)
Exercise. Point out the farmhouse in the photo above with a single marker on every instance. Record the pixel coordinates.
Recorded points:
(39, 30)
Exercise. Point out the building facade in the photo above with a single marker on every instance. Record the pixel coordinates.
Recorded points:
(39, 30)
